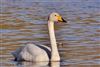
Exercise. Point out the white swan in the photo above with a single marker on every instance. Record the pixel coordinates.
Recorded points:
(34, 52)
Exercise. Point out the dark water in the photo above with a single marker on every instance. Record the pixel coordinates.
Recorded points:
(23, 21)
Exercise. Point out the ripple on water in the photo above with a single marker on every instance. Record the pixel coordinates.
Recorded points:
(7, 31)
(25, 21)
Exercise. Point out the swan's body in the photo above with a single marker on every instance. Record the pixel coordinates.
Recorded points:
(33, 52)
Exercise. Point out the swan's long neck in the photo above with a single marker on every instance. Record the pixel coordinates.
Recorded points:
(54, 50)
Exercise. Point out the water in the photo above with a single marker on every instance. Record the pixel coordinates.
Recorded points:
(25, 21)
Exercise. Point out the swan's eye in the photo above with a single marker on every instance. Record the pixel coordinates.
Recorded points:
(55, 15)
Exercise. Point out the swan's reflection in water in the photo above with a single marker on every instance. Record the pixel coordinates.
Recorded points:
(38, 64)
(55, 64)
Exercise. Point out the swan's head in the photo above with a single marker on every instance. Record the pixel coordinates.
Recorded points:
(55, 17)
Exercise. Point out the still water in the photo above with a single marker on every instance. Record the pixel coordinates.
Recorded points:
(23, 21)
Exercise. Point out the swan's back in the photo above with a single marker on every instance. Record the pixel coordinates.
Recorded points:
(32, 52)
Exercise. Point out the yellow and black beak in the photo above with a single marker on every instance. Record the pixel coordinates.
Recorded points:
(60, 19)
(64, 20)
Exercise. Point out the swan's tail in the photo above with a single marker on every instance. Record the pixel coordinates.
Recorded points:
(16, 53)
(15, 56)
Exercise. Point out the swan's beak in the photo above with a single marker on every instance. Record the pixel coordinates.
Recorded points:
(60, 19)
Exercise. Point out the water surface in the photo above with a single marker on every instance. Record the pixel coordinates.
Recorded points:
(23, 21)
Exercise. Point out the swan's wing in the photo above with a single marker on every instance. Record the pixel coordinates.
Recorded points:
(44, 46)
(33, 52)
(46, 49)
